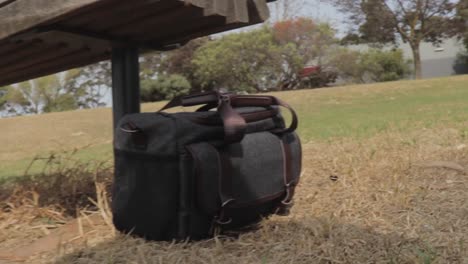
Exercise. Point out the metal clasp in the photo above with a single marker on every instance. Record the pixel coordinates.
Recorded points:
(288, 198)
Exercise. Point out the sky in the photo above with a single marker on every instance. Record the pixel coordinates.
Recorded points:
(318, 10)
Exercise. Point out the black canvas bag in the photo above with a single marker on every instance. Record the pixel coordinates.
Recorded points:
(185, 175)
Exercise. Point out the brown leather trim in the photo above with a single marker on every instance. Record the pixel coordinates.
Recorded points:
(264, 101)
(289, 181)
(259, 115)
(249, 117)
(225, 177)
(202, 98)
(258, 201)
(252, 100)
(287, 161)
(234, 124)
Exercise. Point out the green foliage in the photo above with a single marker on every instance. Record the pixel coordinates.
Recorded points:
(383, 66)
(460, 65)
(179, 61)
(46, 94)
(301, 42)
(165, 87)
(321, 78)
(62, 102)
(238, 62)
(371, 66)
(89, 84)
(264, 59)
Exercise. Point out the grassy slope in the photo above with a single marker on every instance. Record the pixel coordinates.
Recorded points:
(352, 111)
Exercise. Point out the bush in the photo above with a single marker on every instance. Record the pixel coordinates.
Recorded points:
(384, 66)
(371, 66)
(460, 65)
(165, 87)
(321, 78)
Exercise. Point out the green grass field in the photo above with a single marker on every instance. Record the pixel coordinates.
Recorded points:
(325, 114)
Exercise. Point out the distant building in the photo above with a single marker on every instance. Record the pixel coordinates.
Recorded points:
(440, 60)
(436, 60)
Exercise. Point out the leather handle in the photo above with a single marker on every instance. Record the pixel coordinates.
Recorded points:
(234, 123)
(191, 100)
(258, 101)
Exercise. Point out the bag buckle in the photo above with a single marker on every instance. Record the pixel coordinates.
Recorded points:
(138, 137)
(220, 220)
(288, 198)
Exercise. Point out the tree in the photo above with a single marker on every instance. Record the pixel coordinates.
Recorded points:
(58, 92)
(46, 94)
(90, 84)
(413, 21)
(244, 61)
(373, 65)
(287, 9)
(3, 96)
(165, 87)
(266, 58)
(8, 95)
(462, 22)
(179, 61)
(302, 42)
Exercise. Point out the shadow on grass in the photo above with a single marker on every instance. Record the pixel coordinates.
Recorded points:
(279, 240)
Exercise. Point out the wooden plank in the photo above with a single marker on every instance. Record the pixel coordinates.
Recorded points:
(45, 64)
(121, 15)
(23, 54)
(261, 10)
(189, 18)
(71, 39)
(238, 12)
(136, 18)
(64, 63)
(188, 31)
(26, 14)
(97, 25)
(202, 31)
(49, 53)
(20, 45)
(213, 7)
(5, 2)
(77, 12)
(164, 16)
(104, 12)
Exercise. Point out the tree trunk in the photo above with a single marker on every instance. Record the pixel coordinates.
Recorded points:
(416, 61)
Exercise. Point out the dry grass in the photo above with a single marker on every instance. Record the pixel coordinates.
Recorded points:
(399, 198)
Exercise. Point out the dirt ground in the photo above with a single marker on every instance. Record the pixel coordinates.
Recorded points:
(391, 198)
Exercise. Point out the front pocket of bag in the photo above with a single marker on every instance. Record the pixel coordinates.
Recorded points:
(245, 174)
(145, 196)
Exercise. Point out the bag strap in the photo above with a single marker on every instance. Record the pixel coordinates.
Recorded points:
(258, 101)
(234, 124)
(266, 101)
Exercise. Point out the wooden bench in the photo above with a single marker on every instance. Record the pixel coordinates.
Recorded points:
(41, 37)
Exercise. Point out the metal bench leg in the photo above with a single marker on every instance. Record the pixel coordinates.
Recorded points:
(125, 82)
